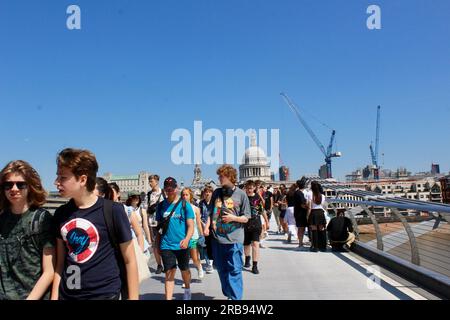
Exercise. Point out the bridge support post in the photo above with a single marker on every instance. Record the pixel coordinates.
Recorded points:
(415, 258)
(379, 235)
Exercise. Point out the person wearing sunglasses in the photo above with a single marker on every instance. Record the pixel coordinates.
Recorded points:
(27, 242)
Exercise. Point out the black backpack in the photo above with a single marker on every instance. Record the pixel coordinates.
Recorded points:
(113, 231)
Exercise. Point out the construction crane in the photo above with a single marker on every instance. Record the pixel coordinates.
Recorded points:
(328, 152)
(376, 167)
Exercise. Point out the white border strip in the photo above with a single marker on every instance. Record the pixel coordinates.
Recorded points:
(412, 294)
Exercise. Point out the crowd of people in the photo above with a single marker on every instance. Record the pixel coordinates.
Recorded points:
(98, 247)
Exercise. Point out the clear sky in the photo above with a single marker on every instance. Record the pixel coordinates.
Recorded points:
(137, 70)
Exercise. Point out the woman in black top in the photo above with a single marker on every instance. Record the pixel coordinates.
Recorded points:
(282, 205)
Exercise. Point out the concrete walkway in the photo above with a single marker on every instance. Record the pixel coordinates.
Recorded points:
(287, 274)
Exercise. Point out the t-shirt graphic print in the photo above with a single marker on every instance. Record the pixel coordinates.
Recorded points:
(81, 238)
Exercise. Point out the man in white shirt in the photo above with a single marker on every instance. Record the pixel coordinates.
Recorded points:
(154, 196)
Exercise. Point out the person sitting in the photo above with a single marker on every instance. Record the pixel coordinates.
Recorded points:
(340, 233)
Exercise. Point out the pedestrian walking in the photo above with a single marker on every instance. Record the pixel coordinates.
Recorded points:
(206, 250)
(154, 197)
(253, 227)
(175, 219)
(197, 237)
(229, 212)
(94, 247)
(27, 240)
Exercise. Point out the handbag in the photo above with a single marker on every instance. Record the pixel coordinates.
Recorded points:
(141, 261)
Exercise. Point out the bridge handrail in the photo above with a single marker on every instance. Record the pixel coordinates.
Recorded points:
(437, 212)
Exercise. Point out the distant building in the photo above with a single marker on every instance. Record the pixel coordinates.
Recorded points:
(284, 173)
(445, 189)
(368, 173)
(255, 165)
(402, 173)
(198, 183)
(132, 184)
(424, 189)
(354, 176)
(435, 169)
(272, 176)
(323, 172)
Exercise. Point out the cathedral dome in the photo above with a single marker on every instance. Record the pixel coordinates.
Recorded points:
(255, 155)
(254, 163)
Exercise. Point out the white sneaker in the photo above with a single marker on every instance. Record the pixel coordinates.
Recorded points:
(187, 294)
(201, 274)
(209, 269)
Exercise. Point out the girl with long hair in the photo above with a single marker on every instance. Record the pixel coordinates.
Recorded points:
(27, 240)
(316, 219)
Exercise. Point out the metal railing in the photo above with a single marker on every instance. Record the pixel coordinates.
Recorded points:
(415, 231)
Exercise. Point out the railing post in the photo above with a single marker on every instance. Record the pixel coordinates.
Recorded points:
(379, 235)
(446, 217)
(415, 258)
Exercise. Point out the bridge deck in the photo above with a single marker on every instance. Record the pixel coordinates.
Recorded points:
(286, 274)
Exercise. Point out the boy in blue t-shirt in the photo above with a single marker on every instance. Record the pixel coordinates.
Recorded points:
(173, 245)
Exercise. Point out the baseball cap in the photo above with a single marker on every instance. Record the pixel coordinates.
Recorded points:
(170, 183)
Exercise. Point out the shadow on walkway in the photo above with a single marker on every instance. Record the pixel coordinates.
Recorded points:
(176, 296)
(383, 284)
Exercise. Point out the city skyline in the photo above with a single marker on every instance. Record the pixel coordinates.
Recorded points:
(136, 72)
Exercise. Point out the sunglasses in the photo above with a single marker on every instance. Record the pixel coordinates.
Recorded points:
(8, 185)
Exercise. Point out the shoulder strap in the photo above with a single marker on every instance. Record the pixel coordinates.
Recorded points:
(34, 225)
(183, 208)
(221, 197)
(109, 220)
(111, 226)
(175, 207)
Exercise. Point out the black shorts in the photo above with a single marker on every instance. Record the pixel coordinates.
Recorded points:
(171, 257)
(250, 236)
(282, 213)
(300, 220)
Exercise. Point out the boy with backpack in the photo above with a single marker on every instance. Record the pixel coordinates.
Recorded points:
(229, 212)
(27, 241)
(95, 253)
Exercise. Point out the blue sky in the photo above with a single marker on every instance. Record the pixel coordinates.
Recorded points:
(137, 70)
